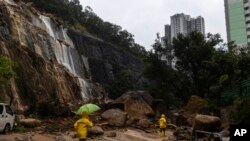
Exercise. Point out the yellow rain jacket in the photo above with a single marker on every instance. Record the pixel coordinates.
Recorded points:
(163, 121)
(81, 126)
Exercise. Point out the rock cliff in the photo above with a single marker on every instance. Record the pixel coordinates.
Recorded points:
(54, 65)
(105, 60)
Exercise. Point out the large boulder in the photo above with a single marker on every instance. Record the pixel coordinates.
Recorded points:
(115, 117)
(206, 123)
(30, 122)
(195, 104)
(137, 104)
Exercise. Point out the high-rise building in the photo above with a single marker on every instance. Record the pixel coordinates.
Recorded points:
(179, 24)
(183, 24)
(238, 21)
(167, 37)
(199, 25)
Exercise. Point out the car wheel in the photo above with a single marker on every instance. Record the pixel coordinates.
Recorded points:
(7, 128)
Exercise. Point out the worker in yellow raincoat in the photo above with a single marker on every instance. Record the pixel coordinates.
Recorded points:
(81, 126)
(163, 125)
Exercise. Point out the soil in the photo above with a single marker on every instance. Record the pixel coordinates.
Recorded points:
(128, 135)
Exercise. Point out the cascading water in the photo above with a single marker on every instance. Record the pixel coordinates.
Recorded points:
(47, 22)
(66, 54)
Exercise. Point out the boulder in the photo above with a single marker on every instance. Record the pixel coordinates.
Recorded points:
(132, 121)
(96, 130)
(144, 123)
(115, 117)
(195, 104)
(185, 117)
(206, 123)
(137, 104)
(30, 122)
(19, 117)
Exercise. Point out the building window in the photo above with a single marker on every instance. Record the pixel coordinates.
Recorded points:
(245, 1)
(247, 15)
(247, 22)
(248, 29)
(246, 8)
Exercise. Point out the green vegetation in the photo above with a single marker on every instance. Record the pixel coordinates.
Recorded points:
(124, 81)
(6, 71)
(204, 67)
(19, 129)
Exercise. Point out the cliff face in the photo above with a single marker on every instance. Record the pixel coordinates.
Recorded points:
(51, 66)
(105, 60)
(40, 77)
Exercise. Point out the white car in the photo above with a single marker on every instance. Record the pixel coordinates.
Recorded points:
(7, 118)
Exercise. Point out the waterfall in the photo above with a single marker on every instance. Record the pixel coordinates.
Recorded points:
(66, 54)
(48, 26)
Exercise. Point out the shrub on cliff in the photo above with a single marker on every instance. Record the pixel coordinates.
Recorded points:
(6, 71)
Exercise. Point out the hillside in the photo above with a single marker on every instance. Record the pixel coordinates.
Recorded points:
(58, 65)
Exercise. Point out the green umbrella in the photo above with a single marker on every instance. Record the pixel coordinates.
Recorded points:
(88, 108)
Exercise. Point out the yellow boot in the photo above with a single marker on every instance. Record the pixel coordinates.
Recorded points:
(161, 134)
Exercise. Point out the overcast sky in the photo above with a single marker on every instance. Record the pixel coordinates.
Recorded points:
(144, 18)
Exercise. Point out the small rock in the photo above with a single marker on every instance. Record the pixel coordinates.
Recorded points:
(111, 134)
(96, 130)
(27, 137)
(60, 139)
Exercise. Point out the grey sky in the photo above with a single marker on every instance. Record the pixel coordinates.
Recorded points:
(144, 18)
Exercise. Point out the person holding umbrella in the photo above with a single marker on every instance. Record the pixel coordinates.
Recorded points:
(81, 126)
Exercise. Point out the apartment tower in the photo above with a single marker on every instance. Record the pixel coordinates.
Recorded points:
(238, 21)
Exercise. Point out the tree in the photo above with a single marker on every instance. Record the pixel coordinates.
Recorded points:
(124, 81)
(192, 51)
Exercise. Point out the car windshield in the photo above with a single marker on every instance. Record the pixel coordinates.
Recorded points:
(1, 109)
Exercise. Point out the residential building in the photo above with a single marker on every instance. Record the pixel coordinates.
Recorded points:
(167, 37)
(198, 24)
(180, 24)
(184, 24)
(238, 22)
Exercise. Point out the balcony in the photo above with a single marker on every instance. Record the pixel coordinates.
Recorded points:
(248, 18)
(247, 11)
